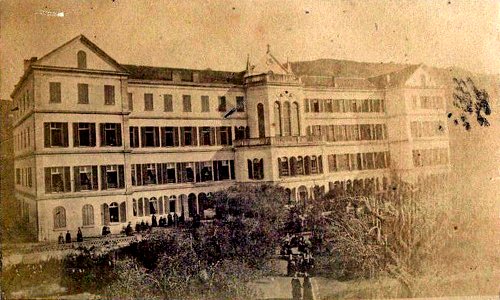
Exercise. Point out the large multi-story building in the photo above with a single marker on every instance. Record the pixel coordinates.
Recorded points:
(101, 143)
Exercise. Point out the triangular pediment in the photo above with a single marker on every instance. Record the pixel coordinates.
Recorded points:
(268, 64)
(66, 56)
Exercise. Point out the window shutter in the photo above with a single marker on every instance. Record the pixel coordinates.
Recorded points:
(123, 212)
(104, 184)
(76, 175)
(320, 164)
(105, 214)
(48, 181)
(95, 183)
(217, 136)
(182, 137)
(46, 130)
(261, 168)
(176, 136)
(194, 136)
(215, 170)
(157, 136)
(231, 165)
(65, 134)
(163, 132)
(199, 134)
(146, 207)
(92, 135)
(247, 132)
(67, 179)
(143, 136)
(118, 134)
(250, 169)
(138, 170)
(121, 177)
(76, 136)
(159, 173)
(197, 171)
(160, 206)
(144, 172)
(230, 135)
(180, 178)
(101, 129)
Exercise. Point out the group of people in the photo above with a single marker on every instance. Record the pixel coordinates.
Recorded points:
(297, 251)
(302, 291)
(68, 239)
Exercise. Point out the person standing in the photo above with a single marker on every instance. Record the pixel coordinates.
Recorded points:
(307, 286)
(61, 238)
(79, 235)
(154, 223)
(296, 288)
(68, 237)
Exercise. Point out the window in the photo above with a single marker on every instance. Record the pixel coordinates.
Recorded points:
(82, 59)
(85, 178)
(261, 120)
(223, 169)
(283, 166)
(240, 103)
(150, 136)
(55, 92)
(188, 136)
(167, 103)
(134, 136)
(277, 119)
(56, 134)
(222, 103)
(112, 177)
(111, 134)
(148, 102)
(59, 217)
(224, 135)
(185, 172)
(83, 93)
(169, 137)
(88, 215)
(57, 180)
(207, 136)
(205, 104)
(206, 173)
(109, 95)
(287, 125)
(149, 174)
(130, 101)
(239, 132)
(328, 105)
(255, 169)
(315, 105)
(84, 135)
(114, 213)
(186, 103)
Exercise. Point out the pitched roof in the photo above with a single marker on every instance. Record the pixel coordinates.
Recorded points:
(393, 79)
(165, 73)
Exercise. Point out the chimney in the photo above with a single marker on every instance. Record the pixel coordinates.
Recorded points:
(28, 62)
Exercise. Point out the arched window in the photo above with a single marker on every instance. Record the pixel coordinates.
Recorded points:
(160, 205)
(307, 165)
(172, 202)
(192, 205)
(147, 207)
(287, 126)
(314, 164)
(261, 120)
(82, 59)
(114, 213)
(182, 204)
(300, 165)
(255, 169)
(283, 166)
(277, 119)
(88, 215)
(295, 119)
(59, 217)
(153, 205)
(303, 195)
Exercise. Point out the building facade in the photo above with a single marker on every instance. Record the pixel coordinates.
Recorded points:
(101, 143)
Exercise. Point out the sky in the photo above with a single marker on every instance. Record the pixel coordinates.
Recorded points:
(220, 34)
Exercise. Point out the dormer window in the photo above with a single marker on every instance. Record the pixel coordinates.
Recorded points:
(82, 60)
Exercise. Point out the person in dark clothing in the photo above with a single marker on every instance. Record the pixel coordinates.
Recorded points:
(170, 221)
(128, 229)
(68, 237)
(296, 288)
(79, 235)
(307, 286)
(137, 227)
(160, 222)
(181, 218)
(143, 226)
(154, 223)
(176, 220)
(61, 238)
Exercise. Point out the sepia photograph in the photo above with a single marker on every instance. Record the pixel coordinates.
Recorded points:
(250, 149)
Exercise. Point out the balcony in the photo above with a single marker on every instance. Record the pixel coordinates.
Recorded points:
(281, 141)
(272, 78)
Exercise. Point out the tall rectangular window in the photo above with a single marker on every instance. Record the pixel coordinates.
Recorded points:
(134, 136)
(112, 177)
(224, 135)
(205, 104)
(111, 134)
(169, 137)
(148, 102)
(57, 180)
(85, 178)
(167, 103)
(207, 136)
(240, 103)
(55, 92)
(186, 103)
(109, 95)
(150, 136)
(56, 134)
(83, 93)
(222, 104)
(130, 101)
(188, 136)
(84, 135)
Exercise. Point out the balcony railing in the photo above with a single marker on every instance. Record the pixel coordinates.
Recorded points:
(280, 140)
